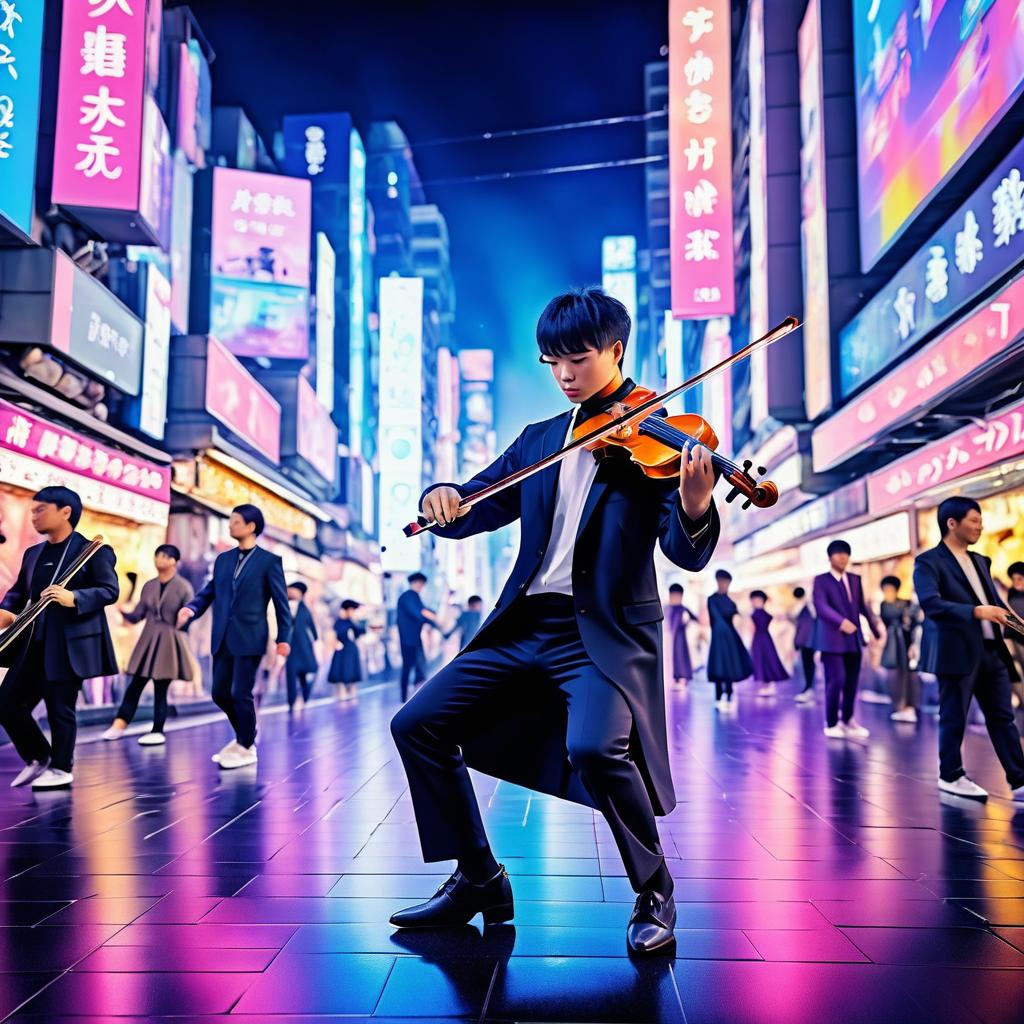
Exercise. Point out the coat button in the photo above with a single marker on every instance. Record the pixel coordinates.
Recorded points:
(583, 611)
(540, 552)
(583, 572)
(522, 586)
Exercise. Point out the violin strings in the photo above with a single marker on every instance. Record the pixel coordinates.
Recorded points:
(668, 433)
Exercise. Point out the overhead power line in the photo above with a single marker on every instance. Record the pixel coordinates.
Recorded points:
(538, 172)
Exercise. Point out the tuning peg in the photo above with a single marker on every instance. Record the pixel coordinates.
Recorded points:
(732, 495)
(747, 463)
(761, 471)
(745, 505)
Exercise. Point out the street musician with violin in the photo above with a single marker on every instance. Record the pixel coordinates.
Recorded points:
(68, 642)
(561, 690)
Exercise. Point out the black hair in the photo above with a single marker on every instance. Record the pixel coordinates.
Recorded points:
(838, 547)
(758, 593)
(299, 586)
(475, 599)
(62, 497)
(676, 588)
(799, 592)
(955, 508)
(1016, 569)
(582, 319)
(251, 514)
(169, 550)
(723, 575)
(417, 577)
(892, 581)
(349, 605)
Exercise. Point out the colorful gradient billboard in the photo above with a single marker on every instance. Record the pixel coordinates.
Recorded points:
(932, 80)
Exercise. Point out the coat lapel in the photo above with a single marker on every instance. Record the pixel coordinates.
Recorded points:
(597, 489)
(236, 580)
(552, 440)
(958, 571)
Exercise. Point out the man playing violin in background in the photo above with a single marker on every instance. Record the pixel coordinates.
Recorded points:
(561, 690)
(70, 641)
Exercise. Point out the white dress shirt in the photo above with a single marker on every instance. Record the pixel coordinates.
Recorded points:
(841, 577)
(974, 578)
(576, 474)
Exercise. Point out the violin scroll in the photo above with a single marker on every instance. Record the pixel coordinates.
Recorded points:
(761, 494)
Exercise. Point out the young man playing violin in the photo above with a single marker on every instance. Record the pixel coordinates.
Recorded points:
(561, 690)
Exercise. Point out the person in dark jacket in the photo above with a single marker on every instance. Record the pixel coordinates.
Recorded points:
(728, 660)
(803, 641)
(963, 645)
(1015, 601)
(412, 616)
(346, 671)
(900, 618)
(160, 653)
(70, 642)
(300, 667)
(243, 583)
(677, 616)
(561, 690)
(768, 667)
(839, 605)
(468, 621)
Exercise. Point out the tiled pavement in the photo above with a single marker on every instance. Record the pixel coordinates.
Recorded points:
(816, 881)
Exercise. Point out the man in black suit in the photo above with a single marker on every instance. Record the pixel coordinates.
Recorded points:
(244, 582)
(300, 666)
(561, 689)
(963, 645)
(412, 616)
(68, 643)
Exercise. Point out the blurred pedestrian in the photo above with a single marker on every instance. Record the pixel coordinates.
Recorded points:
(839, 604)
(963, 645)
(161, 653)
(900, 618)
(468, 621)
(300, 667)
(1015, 599)
(768, 667)
(346, 671)
(676, 618)
(802, 617)
(412, 616)
(728, 660)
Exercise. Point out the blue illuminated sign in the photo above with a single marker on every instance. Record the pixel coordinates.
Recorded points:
(21, 40)
(981, 242)
(316, 146)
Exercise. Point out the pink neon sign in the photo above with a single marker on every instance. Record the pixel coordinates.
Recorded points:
(967, 451)
(700, 158)
(921, 378)
(98, 144)
(238, 400)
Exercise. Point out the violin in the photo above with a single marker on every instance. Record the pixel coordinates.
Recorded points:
(656, 443)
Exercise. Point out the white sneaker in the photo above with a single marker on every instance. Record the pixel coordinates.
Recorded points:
(53, 778)
(1018, 795)
(966, 788)
(855, 731)
(906, 715)
(241, 757)
(835, 732)
(113, 733)
(152, 739)
(805, 697)
(722, 704)
(215, 758)
(768, 690)
(874, 697)
(29, 773)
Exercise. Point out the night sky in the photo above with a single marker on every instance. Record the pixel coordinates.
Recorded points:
(445, 69)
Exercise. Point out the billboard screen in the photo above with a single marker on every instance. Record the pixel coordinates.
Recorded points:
(931, 81)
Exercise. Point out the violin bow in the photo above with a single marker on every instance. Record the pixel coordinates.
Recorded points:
(787, 326)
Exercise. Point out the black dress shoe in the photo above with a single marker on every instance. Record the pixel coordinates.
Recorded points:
(458, 901)
(650, 927)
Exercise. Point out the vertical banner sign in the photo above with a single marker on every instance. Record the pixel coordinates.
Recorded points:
(357, 252)
(155, 354)
(700, 159)
(98, 145)
(618, 278)
(21, 40)
(813, 220)
(400, 419)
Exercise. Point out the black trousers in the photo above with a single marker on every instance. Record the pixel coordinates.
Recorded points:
(132, 693)
(842, 671)
(807, 660)
(990, 684)
(22, 689)
(234, 678)
(544, 641)
(297, 680)
(414, 667)
(723, 689)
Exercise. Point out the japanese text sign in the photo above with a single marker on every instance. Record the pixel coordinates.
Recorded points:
(967, 451)
(98, 144)
(700, 158)
(316, 437)
(21, 37)
(922, 377)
